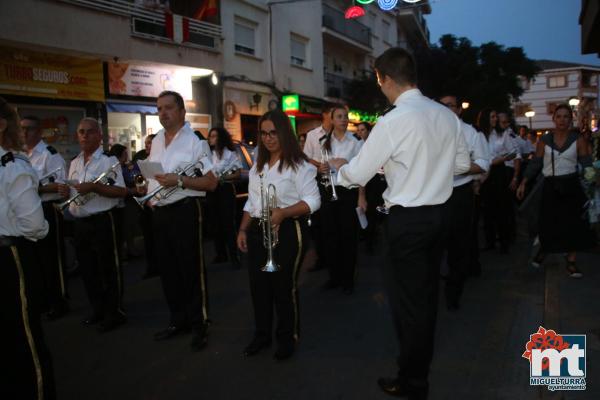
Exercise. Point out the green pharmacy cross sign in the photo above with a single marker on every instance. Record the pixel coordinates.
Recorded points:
(290, 102)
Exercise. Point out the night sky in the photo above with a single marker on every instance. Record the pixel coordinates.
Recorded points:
(546, 29)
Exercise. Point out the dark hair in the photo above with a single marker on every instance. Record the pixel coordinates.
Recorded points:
(398, 64)
(483, 122)
(32, 118)
(117, 150)
(199, 135)
(334, 108)
(10, 139)
(291, 155)
(326, 107)
(458, 99)
(563, 106)
(178, 99)
(367, 125)
(223, 140)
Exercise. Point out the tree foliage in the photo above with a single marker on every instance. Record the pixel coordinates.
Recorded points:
(485, 76)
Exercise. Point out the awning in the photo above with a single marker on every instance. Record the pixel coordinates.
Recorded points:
(131, 108)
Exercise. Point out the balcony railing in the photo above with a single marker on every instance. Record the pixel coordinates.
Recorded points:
(336, 86)
(334, 19)
(150, 24)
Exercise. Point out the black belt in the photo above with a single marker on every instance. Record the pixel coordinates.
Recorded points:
(398, 207)
(93, 216)
(7, 241)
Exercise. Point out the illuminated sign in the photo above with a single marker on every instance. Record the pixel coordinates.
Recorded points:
(354, 12)
(290, 102)
(387, 5)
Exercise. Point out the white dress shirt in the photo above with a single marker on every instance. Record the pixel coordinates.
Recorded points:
(184, 149)
(420, 145)
(21, 213)
(81, 172)
(478, 152)
(346, 148)
(501, 144)
(312, 145)
(43, 162)
(227, 162)
(291, 187)
(525, 146)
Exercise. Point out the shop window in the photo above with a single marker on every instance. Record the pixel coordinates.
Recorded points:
(249, 129)
(298, 47)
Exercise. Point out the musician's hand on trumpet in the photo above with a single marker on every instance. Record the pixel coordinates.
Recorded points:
(64, 190)
(167, 180)
(85, 187)
(323, 168)
(337, 163)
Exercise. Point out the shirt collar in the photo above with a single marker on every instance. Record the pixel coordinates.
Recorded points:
(95, 155)
(407, 94)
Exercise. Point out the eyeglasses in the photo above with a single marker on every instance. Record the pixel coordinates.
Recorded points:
(271, 134)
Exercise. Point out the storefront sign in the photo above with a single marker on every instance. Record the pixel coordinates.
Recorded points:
(290, 102)
(150, 80)
(28, 73)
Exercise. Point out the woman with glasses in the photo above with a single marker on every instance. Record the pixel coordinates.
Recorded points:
(282, 164)
(339, 219)
(226, 166)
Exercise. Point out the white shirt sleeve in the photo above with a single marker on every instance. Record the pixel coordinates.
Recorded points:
(27, 207)
(462, 162)
(202, 153)
(373, 154)
(312, 147)
(307, 188)
(481, 151)
(514, 147)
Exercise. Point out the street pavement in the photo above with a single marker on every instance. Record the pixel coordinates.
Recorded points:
(346, 344)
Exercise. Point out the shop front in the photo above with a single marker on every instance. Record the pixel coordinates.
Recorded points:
(132, 90)
(58, 89)
(304, 111)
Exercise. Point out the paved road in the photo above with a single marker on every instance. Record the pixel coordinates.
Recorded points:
(347, 342)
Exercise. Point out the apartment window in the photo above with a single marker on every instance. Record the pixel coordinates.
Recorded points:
(245, 32)
(521, 109)
(524, 83)
(298, 47)
(589, 80)
(557, 81)
(385, 31)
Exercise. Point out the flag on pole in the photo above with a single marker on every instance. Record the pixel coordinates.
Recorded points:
(177, 27)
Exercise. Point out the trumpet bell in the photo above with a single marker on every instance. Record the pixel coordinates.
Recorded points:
(270, 266)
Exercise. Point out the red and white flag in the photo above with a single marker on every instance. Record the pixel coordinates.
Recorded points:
(177, 27)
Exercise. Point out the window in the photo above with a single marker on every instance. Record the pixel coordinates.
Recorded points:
(589, 80)
(385, 31)
(298, 47)
(524, 83)
(558, 81)
(521, 109)
(244, 37)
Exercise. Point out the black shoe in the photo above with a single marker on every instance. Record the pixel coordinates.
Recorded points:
(219, 259)
(284, 352)
(330, 285)
(394, 387)
(256, 346)
(199, 338)
(168, 333)
(92, 319)
(112, 323)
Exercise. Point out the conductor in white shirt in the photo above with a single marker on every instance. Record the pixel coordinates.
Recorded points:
(421, 148)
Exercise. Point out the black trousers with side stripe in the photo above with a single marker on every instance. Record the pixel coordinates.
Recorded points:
(178, 239)
(28, 372)
(52, 249)
(277, 289)
(221, 203)
(98, 257)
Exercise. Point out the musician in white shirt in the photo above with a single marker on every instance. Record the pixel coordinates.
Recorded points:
(94, 226)
(312, 145)
(51, 168)
(461, 208)
(177, 219)
(280, 163)
(221, 202)
(27, 371)
(339, 222)
(420, 145)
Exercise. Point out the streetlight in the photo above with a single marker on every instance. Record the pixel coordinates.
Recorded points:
(530, 114)
(465, 105)
(574, 103)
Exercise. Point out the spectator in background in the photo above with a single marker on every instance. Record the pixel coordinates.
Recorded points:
(302, 141)
(144, 153)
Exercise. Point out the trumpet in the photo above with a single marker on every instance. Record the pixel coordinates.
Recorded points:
(50, 177)
(327, 180)
(268, 202)
(222, 176)
(162, 192)
(106, 178)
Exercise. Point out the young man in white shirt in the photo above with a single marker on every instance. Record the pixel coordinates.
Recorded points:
(51, 167)
(177, 219)
(461, 208)
(420, 145)
(94, 226)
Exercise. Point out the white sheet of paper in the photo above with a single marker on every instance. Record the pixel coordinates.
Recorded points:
(362, 218)
(150, 168)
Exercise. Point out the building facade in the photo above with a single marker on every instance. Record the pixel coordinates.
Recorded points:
(556, 83)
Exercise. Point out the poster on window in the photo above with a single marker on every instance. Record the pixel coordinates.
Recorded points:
(148, 80)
